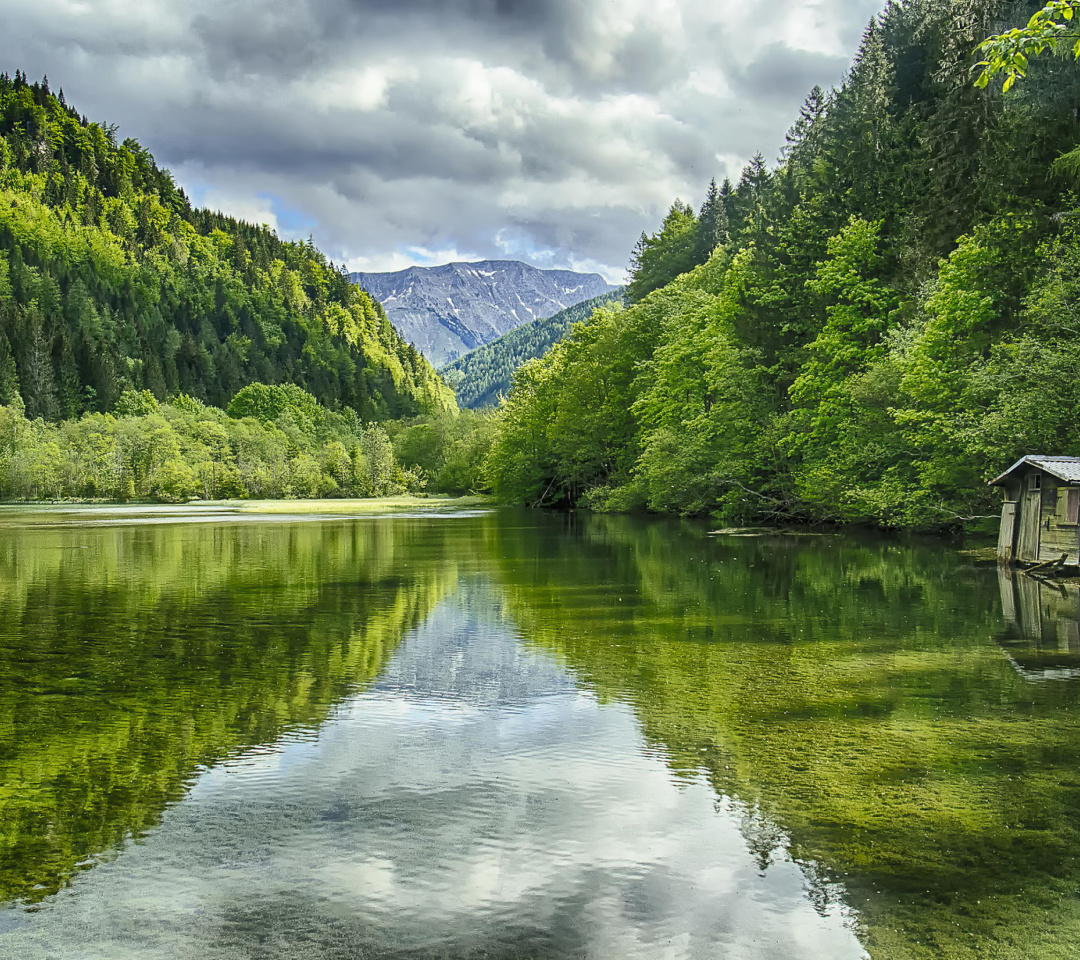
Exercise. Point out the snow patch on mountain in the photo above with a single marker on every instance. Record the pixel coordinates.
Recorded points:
(448, 310)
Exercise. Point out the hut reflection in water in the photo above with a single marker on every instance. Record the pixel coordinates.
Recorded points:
(1042, 636)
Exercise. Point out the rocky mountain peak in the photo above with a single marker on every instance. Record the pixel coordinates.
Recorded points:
(450, 309)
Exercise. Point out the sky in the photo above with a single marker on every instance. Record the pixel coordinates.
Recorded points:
(399, 132)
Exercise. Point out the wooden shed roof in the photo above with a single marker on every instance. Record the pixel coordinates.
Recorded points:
(1064, 468)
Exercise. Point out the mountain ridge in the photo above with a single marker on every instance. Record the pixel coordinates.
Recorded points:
(480, 376)
(449, 309)
(112, 280)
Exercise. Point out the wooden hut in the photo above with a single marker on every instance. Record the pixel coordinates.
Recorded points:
(1039, 516)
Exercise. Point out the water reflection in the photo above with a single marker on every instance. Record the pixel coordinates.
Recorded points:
(1043, 625)
(852, 692)
(473, 802)
(132, 658)
(520, 735)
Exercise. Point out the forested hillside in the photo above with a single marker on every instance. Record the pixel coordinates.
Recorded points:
(480, 377)
(866, 331)
(110, 280)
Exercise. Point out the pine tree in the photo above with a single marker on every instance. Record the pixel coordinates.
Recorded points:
(39, 380)
(712, 225)
(801, 143)
(731, 206)
(9, 377)
(750, 198)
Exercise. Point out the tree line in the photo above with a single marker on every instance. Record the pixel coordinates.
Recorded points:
(865, 331)
(110, 281)
(273, 442)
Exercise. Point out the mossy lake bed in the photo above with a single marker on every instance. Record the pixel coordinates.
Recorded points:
(423, 727)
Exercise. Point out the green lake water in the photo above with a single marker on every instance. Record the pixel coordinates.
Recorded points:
(500, 734)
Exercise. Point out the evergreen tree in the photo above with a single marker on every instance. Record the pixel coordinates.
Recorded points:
(749, 200)
(712, 224)
(659, 258)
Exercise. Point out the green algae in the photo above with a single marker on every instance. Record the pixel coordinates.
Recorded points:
(858, 697)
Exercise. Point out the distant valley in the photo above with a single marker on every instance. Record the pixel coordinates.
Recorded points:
(479, 378)
(448, 310)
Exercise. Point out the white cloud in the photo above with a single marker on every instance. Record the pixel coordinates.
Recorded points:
(439, 125)
(408, 257)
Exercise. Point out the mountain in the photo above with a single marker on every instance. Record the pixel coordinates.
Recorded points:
(449, 310)
(479, 377)
(111, 280)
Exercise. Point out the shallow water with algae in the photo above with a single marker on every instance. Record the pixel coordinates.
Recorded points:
(466, 733)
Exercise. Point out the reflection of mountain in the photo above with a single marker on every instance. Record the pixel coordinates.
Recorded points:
(146, 653)
(853, 696)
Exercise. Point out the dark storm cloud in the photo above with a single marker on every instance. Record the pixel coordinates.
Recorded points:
(553, 130)
(557, 40)
(782, 75)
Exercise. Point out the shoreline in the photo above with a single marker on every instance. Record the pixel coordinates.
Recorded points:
(344, 507)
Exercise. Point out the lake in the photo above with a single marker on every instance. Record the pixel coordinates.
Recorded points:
(502, 734)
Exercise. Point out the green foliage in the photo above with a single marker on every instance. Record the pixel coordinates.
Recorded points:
(483, 375)
(269, 403)
(447, 451)
(1050, 28)
(834, 431)
(274, 442)
(660, 258)
(567, 425)
(111, 281)
(700, 399)
(712, 224)
(885, 321)
(136, 403)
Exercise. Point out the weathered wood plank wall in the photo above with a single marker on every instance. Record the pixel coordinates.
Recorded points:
(1007, 532)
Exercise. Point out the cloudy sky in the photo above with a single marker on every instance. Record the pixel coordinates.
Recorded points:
(421, 131)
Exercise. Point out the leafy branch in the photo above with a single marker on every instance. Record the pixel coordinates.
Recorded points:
(1050, 28)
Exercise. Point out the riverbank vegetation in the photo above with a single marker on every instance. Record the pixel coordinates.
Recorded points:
(272, 442)
(866, 332)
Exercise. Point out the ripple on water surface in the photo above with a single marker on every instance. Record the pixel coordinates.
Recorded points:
(507, 735)
(473, 803)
